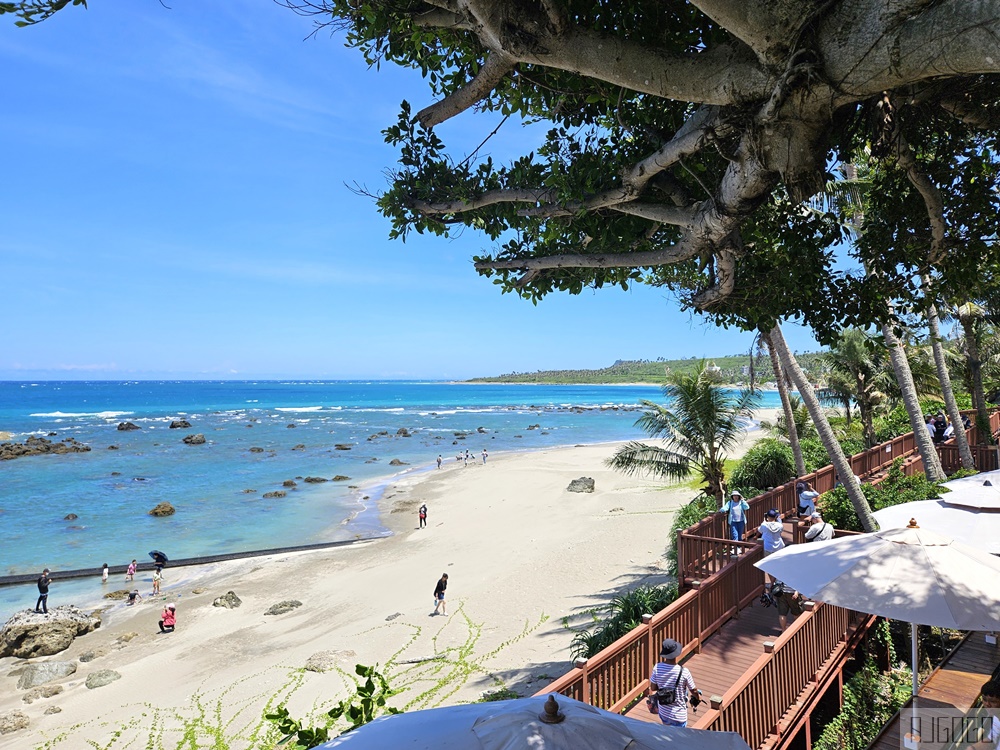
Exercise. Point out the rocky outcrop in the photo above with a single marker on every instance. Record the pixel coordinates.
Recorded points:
(13, 721)
(343, 446)
(39, 446)
(256, 449)
(403, 432)
(33, 675)
(340, 478)
(397, 462)
(128, 426)
(116, 595)
(299, 447)
(27, 634)
(534, 426)
(314, 480)
(282, 607)
(180, 424)
(197, 439)
(46, 691)
(276, 493)
(583, 484)
(229, 600)
(70, 517)
(289, 483)
(101, 678)
(290, 426)
(481, 430)
(163, 509)
(326, 661)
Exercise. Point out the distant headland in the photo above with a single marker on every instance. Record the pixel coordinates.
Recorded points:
(735, 369)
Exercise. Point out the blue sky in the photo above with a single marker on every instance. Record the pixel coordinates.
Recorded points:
(173, 204)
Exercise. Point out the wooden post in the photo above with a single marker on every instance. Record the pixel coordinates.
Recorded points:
(651, 649)
(715, 702)
(696, 586)
(768, 647)
(581, 664)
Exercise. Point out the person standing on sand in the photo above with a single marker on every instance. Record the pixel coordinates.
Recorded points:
(130, 571)
(422, 515)
(439, 602)
(485, 454)
(104, 573)
(439, 460)
(43, 593)
(156, 582)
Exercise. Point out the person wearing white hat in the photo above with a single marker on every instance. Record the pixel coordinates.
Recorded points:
(737, 508)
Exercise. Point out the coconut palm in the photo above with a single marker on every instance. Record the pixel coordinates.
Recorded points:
(972, 318)
(791, 427)
(858, 372)
(700, 423)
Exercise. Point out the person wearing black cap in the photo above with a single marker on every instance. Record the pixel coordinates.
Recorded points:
(672, 684)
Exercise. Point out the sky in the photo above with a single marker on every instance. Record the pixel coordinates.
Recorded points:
(174, 204)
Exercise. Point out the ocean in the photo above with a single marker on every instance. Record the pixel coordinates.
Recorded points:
(258, 435)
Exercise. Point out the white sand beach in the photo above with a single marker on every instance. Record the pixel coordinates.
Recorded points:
(526, 560)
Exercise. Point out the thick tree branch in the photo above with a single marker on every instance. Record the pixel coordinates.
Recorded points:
(932, 198)
(440, 18)
(489, 198)
(497, 65)
(864, 57)
(721, 75)
(766, 26)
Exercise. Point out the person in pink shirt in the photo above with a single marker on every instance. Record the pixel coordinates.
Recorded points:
(168, 619)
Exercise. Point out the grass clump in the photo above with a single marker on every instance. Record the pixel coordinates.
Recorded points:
(625, 612)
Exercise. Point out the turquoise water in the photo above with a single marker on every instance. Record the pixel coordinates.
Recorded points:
(111, 491)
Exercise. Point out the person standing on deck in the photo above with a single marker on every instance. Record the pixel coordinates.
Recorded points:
(672, 684)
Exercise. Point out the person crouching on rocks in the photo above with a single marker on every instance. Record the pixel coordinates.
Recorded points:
(169, 619)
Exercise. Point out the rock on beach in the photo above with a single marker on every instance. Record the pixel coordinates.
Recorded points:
(34, 675)
(282, 607)
(583, 484)
(28, 634)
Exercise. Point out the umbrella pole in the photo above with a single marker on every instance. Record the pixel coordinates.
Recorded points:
(913, 657)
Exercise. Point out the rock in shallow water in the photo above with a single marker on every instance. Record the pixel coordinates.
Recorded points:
(163, 509)
(198, 439)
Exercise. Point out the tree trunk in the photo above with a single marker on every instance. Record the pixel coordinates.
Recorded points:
(786, 406)
(976, 371)
(947, 392)
(833, 449)
(900, 365)
(866, 410)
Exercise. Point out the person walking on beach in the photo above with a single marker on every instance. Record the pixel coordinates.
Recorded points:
(157, 577)
(672, 684)
(439, 460)
(439, 602)
(485, 454)
(466, 457)
(130, 571)
(104, 573)
(168, 619)
(422, 515)
(43, 593)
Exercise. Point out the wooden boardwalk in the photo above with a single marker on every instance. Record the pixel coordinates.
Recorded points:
(726, 656)
(952, 686)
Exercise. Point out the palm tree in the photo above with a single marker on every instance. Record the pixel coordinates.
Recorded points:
(971, 317)
(700, 423)
(857, 371)
(791, 425)
(826, 436)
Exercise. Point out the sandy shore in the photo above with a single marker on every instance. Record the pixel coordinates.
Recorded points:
(527, 563)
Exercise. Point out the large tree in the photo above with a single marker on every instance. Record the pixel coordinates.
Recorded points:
(682, 133)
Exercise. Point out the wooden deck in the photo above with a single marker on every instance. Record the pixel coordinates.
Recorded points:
(726, 657)
(954, 685)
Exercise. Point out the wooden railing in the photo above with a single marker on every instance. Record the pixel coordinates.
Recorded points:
(615, 677)
(756, 705)
(723, 580)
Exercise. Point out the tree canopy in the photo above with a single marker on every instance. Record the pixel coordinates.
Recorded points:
(685, 137)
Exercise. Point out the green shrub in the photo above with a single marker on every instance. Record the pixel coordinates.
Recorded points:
(895, 489)
(625, 612)
(768, 463)
(871, 698)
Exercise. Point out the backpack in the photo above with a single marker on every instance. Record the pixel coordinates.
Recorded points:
(667, 696)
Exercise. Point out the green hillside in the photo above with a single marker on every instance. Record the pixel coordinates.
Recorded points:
(732, 369)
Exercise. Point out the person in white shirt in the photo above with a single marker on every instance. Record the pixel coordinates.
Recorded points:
(820, 531)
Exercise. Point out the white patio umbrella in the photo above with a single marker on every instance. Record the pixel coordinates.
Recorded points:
(972, 526)
(908, 574)
(978, 491)
(553, 723)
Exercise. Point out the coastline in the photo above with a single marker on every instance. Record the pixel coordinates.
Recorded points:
(528, 562)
